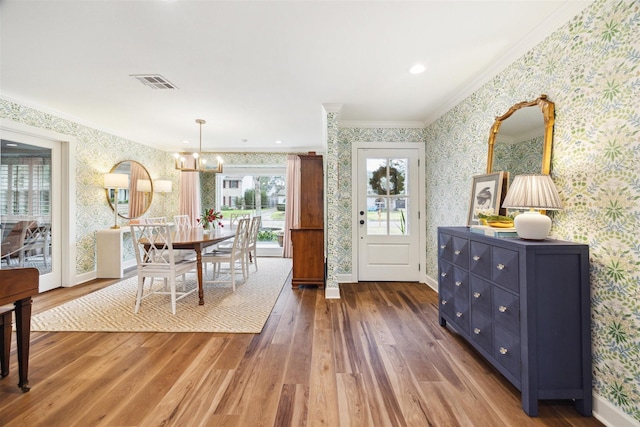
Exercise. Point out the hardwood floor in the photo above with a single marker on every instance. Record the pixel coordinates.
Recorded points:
(376, 357)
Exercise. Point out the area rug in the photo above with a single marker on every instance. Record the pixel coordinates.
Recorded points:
(111, 309)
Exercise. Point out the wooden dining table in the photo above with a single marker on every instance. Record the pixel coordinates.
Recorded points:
(198, 239)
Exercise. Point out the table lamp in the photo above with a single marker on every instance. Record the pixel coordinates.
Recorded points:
(533, 192)
(116, 181)
(162, 186)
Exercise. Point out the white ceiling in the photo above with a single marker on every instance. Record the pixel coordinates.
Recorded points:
(259, 71)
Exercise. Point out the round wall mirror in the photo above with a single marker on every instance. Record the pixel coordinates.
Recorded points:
(134, 201)
(520, 140)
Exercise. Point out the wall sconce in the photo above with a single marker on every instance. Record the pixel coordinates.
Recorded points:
(162, 186)
(532, 191)
(116, 181)
(194, 162)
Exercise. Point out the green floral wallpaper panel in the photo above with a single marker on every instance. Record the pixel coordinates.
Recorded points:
(590, 68)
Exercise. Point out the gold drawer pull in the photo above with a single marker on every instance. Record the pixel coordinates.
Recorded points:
(476, 258)
(444, 302)
(503, 350)
(476, 331)
(458, 283)
(458, 314)
(443, 274)
(457, 252)
(476, 294)
(502, 309)
(500, 266)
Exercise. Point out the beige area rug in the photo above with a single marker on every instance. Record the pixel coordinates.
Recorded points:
(111, 309)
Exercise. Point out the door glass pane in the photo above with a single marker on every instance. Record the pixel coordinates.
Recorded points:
(386, 180)
(25, 206)
(398, 216)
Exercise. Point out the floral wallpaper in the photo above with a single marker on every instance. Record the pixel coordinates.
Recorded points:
(590, 68)
(519, 157)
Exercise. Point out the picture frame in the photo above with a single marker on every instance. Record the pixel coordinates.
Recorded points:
(487, 194)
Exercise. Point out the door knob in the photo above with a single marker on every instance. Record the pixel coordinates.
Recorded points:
(361, 212)
(361, 221)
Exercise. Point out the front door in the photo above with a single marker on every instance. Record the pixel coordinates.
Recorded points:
(388, 213)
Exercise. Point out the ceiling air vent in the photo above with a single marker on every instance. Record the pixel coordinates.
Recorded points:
(154, 81)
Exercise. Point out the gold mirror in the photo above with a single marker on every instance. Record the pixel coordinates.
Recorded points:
(523, 143)
(135, 200)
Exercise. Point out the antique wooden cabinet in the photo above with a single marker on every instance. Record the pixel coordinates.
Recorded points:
(307, 237)
(525, 307)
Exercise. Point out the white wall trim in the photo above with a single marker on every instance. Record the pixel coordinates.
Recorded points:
(611, 415)
(68, 201)
(432, 283)
(344, 278)
(332, 293)
(382, 124)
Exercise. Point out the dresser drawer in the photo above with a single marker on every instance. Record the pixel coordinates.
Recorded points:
(506, 349)
(504, 269)
(454, 249)
(480, 259)
(506, 310)
(481, 295)
(481, 330)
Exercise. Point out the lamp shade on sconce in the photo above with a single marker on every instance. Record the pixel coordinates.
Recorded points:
(116, 180)
(162, 186)
(534, 192)
(144, 185)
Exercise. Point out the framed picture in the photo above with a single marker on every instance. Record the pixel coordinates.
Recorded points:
(487, 194)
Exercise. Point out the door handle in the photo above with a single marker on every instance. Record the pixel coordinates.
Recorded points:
(361, 221)
(361, 212)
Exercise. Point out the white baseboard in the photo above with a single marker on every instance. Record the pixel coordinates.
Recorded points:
(332, 293)
(344, 278)
(433, 284)
(82, 278)
(611, 415)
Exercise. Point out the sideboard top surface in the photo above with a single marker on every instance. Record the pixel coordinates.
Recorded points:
(549, 242)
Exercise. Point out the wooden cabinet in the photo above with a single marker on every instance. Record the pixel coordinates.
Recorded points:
(525, 307)
(307, 237)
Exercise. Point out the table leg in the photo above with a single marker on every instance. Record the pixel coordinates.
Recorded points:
(5, 341)
(199, 267)
(23, 332)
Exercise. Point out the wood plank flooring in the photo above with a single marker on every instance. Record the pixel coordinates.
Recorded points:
(376, 357)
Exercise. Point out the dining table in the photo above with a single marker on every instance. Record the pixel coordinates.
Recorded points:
(198, 239)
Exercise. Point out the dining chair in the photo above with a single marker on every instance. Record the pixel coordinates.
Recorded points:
(156, 220)
(155, 258)
(252, 240)
(232, 257)
(182, 222)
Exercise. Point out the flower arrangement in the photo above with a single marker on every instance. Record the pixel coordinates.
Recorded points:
(210, 218)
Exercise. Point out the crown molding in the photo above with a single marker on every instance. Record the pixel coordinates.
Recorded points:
(560, 17)
(383, 125)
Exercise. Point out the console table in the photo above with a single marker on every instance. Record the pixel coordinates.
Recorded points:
(525, 307)
(17, 286)
(110, 251)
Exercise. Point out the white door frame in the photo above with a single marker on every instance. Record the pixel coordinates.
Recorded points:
(65, 161)
(354, 197)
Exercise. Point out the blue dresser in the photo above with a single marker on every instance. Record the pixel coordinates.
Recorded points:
(525, 307)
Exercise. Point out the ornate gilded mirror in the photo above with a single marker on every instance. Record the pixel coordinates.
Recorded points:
(523, 143)
(134, 201)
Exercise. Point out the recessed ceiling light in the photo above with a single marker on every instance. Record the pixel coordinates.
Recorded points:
(417, 69)
(278, 142)
(185, 142)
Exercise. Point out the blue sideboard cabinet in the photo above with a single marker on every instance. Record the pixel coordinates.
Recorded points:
(525, 307)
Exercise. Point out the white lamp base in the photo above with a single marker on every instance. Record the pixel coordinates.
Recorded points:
(532, 225)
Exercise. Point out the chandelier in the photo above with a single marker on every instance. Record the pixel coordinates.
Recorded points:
(194, 162)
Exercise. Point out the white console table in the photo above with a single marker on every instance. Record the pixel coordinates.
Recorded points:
(110, 253)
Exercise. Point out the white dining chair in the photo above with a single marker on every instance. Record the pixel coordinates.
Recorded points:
(252, 240)
(233, 257)
(155, 258)
(182, 222)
